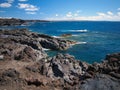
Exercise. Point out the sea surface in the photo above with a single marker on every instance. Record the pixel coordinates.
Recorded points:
(96, 38)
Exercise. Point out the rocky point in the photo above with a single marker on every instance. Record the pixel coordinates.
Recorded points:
(24, 65)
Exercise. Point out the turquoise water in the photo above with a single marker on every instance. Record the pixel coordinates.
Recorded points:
(96, 38)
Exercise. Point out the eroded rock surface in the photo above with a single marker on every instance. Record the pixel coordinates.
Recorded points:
(25, 66)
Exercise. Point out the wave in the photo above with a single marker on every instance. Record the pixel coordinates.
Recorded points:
(85, 30)
(81, 43)
(30, 30)
(23, 25)
(56, 36)
(75, 35)
(45, 49)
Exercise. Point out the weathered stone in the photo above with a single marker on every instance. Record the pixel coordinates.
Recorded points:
(11, 73)
(100, 82)
(1, 57)
(23, 51)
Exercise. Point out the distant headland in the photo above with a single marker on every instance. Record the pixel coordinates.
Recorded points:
(15, 21)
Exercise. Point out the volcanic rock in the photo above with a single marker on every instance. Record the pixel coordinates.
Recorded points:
(24, 65)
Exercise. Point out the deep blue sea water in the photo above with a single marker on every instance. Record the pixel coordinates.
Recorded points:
(97, 38)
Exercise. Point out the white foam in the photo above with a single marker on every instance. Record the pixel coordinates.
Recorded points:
(23, 25)
(75, 35)
(56, 37)
(81, 42)
(85, 30)
(45, 49)
(30, 30)
(78, 43)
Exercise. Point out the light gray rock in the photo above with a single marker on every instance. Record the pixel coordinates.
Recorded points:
(101, 82)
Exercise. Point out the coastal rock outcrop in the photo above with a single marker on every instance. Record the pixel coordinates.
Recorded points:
(24, 65)
(11, 21)
(15, 51)
(16, 21)
(36, 41)
(64, 66)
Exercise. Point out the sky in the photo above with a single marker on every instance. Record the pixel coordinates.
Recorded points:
(105, 10)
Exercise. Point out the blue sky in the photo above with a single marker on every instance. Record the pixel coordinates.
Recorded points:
(61, 9)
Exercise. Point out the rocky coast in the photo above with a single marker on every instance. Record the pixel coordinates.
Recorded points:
(16, 21)
(24, 65)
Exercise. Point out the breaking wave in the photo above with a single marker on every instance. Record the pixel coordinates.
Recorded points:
(85, 30)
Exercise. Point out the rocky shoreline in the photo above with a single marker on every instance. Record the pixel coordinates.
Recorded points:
(24, 65)
(15, 21)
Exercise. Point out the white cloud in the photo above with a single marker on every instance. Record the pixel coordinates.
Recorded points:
(75, 14)
(5, 5)
(118, 13)
(31, 12)
(69, 14)
(28, 7)
(101, 14)
(78, 11)
(118, 8)
(110, 13)
(108, 16)
(72, 15)
(56, 15)
(22, 0)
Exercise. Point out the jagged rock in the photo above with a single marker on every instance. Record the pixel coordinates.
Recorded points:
(11, 73)
(35, 82)
(116, 75)
(26, 66)
(36, 41)
(65, 67)
(15, 51)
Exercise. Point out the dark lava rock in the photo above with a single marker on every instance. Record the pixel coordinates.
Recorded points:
(11, 22)
(36, 41)
(11, 73)
(63, 66)
(15, 51)
(24, 65)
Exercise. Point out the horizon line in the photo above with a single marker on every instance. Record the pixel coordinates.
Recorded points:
(59, 20)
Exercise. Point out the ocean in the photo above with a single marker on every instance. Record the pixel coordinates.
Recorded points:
(96, 38)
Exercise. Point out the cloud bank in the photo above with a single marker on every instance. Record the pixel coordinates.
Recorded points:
(100, 16)
(6, 4)
(30, 9)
